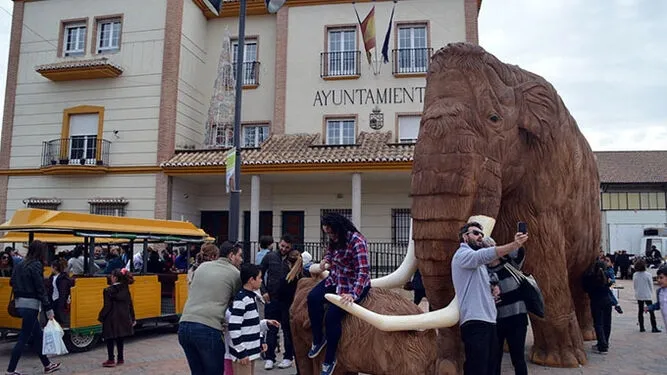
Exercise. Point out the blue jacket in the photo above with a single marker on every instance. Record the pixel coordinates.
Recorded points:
(656, 306)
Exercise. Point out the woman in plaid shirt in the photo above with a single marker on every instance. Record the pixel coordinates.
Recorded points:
(349, 276)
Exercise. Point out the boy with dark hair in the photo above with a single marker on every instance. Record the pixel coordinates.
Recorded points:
(265, 246)
(245, 327)
(661, 294)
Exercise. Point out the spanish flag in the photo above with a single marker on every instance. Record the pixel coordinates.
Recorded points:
(368, 31)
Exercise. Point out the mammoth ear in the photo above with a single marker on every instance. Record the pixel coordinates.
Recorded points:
(538, 109)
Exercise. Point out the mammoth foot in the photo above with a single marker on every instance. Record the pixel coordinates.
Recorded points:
(588, 334)
(558, 343)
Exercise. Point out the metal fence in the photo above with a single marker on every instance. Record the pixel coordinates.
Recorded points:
(385, 257)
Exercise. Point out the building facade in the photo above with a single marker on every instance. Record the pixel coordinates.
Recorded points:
(107, 111)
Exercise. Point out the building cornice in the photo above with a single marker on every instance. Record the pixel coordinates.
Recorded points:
(258, 7)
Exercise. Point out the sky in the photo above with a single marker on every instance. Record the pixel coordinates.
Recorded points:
(606, 58)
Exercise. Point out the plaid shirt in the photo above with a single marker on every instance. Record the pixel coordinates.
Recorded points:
(350, 267)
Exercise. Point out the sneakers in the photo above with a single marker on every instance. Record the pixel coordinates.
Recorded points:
(316, 349)
(109, 363)
(286, 363)
(120, 362)
(596, 350)
(13, 373)
(53, 367)
(328, 368)
(655, 330)
(268, 364)
(618, 309)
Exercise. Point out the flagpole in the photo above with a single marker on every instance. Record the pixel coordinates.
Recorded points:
(235, 191)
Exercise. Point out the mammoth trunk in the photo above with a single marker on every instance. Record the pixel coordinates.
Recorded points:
(442, 202)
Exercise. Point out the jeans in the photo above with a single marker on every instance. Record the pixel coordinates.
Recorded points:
(480, 343)
(30, 328)
(332, 321)
(640, 315)
(278, 310)
(204, 348)
(513, 329)
(119, 345)
(602, 324)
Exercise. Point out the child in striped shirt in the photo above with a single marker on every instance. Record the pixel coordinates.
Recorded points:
(245, 327)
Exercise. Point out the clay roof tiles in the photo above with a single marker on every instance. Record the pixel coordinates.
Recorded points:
(614, 166)
(632, 166)
(303, 149)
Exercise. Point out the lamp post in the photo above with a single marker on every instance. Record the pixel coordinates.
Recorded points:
(235, 191)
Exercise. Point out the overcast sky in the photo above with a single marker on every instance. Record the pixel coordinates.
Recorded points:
(606, 58)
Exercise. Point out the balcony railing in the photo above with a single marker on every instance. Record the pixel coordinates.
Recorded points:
(250, 73)
(411, 60)
(76, 150)
(340, 64)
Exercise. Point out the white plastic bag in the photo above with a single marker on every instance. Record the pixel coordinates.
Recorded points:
(52, 343)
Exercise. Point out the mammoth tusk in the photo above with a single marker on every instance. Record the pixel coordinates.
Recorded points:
(403, 273)
(443, 318)
(487, 223)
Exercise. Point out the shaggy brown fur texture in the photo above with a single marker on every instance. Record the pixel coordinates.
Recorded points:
(363, 348)
(497, 140)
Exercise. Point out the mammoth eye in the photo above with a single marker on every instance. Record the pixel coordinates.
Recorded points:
(494, 118)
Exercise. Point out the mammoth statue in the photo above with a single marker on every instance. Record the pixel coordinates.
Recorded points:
(497, 144)
(363, 348)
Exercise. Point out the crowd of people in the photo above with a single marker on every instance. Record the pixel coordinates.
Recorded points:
(235, 310)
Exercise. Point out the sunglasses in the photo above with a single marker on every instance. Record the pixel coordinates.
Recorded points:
(475, 232)
(5, 258)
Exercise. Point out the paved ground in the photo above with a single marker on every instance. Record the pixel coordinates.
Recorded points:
(158, 352)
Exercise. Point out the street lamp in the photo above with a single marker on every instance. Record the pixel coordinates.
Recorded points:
(235, 191)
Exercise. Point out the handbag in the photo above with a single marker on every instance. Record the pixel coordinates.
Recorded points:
(11, 306)
(530, 292)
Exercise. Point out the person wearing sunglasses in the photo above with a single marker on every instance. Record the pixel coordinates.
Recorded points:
(476, 303)
(6, 264)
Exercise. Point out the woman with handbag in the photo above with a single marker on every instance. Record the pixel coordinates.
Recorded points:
(512, 318)
(28, 288)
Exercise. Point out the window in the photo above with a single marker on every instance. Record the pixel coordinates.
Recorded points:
(340, 132)
(108, 35)
(108, 206)
(250, 64)
(413, 54)
(408, 128)
(342, 54)
(82, 142)
(74, 42)
(347, 212)
(400, 226)
(633, 201)
(224, 135)
(43, 203)
(254, 135)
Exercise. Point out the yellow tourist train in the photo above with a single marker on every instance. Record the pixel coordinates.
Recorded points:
(156, 297)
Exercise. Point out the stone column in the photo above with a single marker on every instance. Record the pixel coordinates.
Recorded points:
(254, 208)
(356, 200)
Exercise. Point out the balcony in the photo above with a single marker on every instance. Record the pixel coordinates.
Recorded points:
(411, 61)
(71, 70)
(250, 74)
(340, 65)
(77, 153)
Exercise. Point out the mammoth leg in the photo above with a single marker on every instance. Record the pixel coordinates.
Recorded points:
(582, 305)
(558, 339)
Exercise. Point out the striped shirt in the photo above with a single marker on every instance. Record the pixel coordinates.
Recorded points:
(245, 327)
(511, 302)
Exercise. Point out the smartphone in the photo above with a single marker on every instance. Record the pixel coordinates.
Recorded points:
(522, 227)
